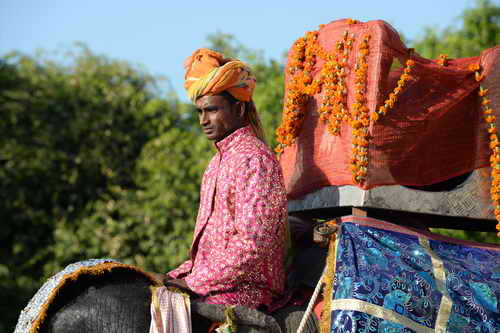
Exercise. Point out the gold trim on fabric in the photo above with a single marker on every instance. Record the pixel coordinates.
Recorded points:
(98, 269)
(326, 313)
(154, 297)
(440, 276)
(379, 312)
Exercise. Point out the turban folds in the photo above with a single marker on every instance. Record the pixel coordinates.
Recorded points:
(209, 73)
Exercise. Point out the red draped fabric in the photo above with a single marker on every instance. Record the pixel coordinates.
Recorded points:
(434, 132)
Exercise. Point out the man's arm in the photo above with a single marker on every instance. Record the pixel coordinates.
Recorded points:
(260, 217)
(181, 271)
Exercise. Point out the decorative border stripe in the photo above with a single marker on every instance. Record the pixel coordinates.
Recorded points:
(379, 312)
(328, 281)
(440, 276)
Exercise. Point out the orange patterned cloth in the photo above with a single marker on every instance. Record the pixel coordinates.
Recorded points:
(209, 73)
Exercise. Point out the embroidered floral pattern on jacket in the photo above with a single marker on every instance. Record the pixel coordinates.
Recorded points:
(238, 246)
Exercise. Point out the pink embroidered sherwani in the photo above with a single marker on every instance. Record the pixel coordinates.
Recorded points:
(239, 240)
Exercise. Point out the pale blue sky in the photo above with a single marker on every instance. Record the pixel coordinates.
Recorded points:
(161, 34)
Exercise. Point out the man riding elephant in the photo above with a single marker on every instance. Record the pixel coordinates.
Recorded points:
(238, 248)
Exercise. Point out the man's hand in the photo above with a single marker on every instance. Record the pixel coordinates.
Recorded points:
(181, 284)
(161, 277)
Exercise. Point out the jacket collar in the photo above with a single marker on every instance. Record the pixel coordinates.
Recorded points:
(234, 139)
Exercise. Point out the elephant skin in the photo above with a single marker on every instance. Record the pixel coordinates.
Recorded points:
(120, 302)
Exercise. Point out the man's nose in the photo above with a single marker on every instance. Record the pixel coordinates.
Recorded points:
(203, 118)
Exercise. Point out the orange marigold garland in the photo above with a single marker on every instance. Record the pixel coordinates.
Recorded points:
(490, 119)
(301, 85)
(293, 110)
(360, 120)
(393, 96)
(333, 107)
(331, 82)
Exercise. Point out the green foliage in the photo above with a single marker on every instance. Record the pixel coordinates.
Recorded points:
(149, 225)
(475, 236)
(480, 30)
(70, 137)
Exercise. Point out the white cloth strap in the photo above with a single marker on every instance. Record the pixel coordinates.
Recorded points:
(170, 312)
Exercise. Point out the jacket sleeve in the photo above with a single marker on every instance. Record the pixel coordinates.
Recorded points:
(182, 270)
(259, 221)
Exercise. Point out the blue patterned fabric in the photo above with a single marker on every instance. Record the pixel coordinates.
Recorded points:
(388, 281)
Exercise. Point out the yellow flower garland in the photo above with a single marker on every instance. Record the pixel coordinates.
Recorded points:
(490, 119)
(333, 107)
(393, 96)
(360, 117)
(331, 82)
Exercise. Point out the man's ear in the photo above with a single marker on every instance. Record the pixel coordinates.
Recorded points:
(240, 110)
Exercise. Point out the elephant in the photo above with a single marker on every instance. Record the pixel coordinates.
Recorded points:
(112, 297)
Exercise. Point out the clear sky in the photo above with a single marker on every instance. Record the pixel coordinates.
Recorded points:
(160, 34)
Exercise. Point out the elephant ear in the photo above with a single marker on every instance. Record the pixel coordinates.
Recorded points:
(82, 291)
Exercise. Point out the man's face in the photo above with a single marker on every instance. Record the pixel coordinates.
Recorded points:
(218, 117)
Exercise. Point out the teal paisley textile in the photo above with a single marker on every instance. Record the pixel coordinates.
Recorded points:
(394, 279)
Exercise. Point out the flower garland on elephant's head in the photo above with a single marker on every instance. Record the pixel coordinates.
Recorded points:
(331, 83)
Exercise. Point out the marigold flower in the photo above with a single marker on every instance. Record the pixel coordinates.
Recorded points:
(478, 76)
(490, 119)
(474, 67)
(494, 159)
(361, 173)
(482, 92)
(488, 111)
(442, 60)
(363, 143)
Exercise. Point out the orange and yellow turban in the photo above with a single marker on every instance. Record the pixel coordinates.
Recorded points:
(209, 73)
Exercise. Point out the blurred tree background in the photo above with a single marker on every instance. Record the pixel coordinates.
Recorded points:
(97, 162)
